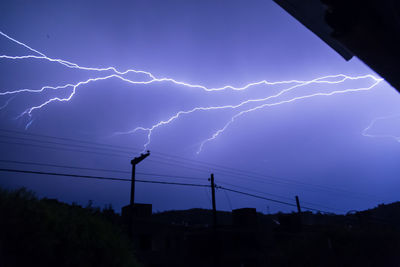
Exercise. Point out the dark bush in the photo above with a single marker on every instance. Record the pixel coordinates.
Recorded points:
(47, 232)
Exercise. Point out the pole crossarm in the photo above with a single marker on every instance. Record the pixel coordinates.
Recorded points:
(142, 156)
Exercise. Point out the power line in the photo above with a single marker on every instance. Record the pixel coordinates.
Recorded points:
(274, 195)
(100, 177)
(116, 152)
(331, 191)
(173, 162)
(150, 160)
(154, 182)
(253, 190)
(323, 206)
(63, 138)
(208, 195)
(163, 161)
(95, 169)
(124, 151)
(228, 199)
(256, 196)
(59, 166)
(63, 144)
(268, 199)
(98, 153)
(62, 149)
(277, 196)
(168, 176)
(141, 173)
(169, 158)
(121, 148)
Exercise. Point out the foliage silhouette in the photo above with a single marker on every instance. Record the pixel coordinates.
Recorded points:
(46, 232)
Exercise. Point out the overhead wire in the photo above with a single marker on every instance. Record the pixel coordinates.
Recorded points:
(281, 197)
(156, 161)
(138, 173)
(269, 199)
(97, 169)
(172, 162)
(228, 199)
(162, 161)
(149, 181)
(100, 177)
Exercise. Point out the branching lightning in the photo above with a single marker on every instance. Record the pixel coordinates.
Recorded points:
(149, 130)
(244, 107)
(7, 102)
(220, 131)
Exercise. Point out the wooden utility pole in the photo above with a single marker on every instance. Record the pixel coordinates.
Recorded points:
(213, 200)
(214, 240)
(298, 204)
(134, 162)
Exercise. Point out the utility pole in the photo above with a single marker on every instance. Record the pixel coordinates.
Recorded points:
(299, 216)
(214, 240)
(213, 200)
(134, 162)
(298, 205)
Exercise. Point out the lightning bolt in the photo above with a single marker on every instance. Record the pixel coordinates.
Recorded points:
(61, 61)
(150, 78)
(372, 124)
(7, 102)
(220, 131)
(320, 80)
(153, 79)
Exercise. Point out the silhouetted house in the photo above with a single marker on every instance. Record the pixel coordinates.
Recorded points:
(157, 243)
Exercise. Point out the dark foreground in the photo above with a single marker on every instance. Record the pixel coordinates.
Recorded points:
(46, 232)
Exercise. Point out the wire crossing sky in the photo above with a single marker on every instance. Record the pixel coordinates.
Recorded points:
(260, 103)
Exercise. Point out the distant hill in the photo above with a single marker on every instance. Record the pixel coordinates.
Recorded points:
(383, 213)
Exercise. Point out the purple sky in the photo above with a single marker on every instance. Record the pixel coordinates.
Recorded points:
(314, 148)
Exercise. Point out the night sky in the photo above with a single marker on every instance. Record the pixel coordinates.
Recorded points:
(315, 148)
